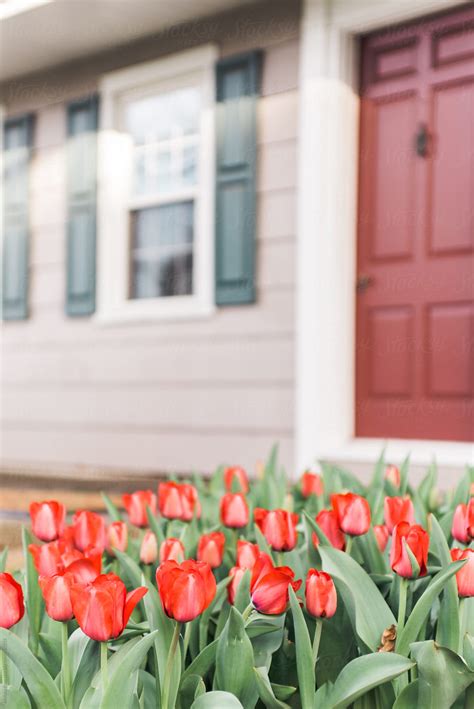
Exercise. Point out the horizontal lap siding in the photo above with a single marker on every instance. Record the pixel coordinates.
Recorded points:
(159, 396)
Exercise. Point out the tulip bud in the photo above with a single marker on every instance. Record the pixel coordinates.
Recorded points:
(278, 528)
(236, 480)
(117, 537)
(178, 501)
(465, 575)
(382, 536)
(12, 607)
(55, 590)
(136, 505)
(269, 591)
(234, 510)
(103, 607)
(462, 528)
(211, 549)
(236, 573)
(392, 474)
(353, 513)
(149, 548)
(409, 552)
(247, 554)
(47, 519)
(172, 550)
(89, 530)
(186, 589)
(329, 523)
(46, 558)
(398, 509)
(321, 596)
(311, 484)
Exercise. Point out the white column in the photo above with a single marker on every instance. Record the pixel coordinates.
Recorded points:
(327, 196)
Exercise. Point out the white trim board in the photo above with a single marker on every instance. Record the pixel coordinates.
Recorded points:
(193, 66)
(327, 233)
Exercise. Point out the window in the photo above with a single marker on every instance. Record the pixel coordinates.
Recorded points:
(156, 184)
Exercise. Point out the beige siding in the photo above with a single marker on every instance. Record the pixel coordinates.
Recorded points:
(179, 396)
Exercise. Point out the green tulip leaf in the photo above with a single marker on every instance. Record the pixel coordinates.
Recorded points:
(447, 633)
(369, 613)
(39, 682)
(33, 596)
(363, 674)
(112, 509)
(116, 693)
(374, 560)
(242, 597)
(155, 527)
(234, 660)
(408, 697)
(203, 662)
(442, 674)
(3, 559)
(265, 690)
(206, 615)
(84, 660)
(12, 698)
(423, 606)
(322, 538)
(216, 700)
(304, 657)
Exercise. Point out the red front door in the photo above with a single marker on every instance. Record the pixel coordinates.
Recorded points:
(415, 308)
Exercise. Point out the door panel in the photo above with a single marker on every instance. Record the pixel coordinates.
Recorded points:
(415, 307)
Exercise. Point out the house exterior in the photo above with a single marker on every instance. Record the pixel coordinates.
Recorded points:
(233, 223)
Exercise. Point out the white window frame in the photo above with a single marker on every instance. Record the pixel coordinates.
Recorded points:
(194, 67)
(328, 153)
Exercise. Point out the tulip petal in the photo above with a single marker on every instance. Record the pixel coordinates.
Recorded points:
(131, 600)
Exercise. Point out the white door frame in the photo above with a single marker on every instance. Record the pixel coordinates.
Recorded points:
(327, 233)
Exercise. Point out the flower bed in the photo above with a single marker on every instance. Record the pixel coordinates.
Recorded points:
(230, 593)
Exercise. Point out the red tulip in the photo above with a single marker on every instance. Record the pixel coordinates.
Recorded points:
(186, 589)
(465, 575)
(211, 549)
(234, 510)
(311, 484)
(261, 568)
(103, 607)
(269, 592)
(329, 523)
(417, 540)
(12, 607)
(278, 527)
(178, 501)
(235, 478)
(90, 554)
(392, 474)
(55, 589)
(382, 536)
(353, 513)
(463, 522)
(172, 550)
(136, 505)
(321, 596)
(46, 557)
(247, 554)
(117, 537)
(47, 519)
(89, 530)
(149, 548)
(235, 574)
(398, 509)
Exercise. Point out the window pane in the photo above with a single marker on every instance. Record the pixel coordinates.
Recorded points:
(162, 251)
(165, 130)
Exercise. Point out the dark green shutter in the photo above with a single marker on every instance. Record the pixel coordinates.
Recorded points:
(237, 90)
(18, 134)
(81, 223)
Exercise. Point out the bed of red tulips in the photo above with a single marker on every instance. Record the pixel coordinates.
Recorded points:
(235, 593)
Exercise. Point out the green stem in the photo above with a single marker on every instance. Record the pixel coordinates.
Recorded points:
(247, 612)
(65, 668)
(235, 538)
(4, 667)
(402, 606)
(103, 666)
(317, 639)
(280, 558)
(168, 670)
(349, 545)
(187, 636)
(462, 623)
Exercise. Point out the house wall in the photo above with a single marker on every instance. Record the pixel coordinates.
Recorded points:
(170, 396)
